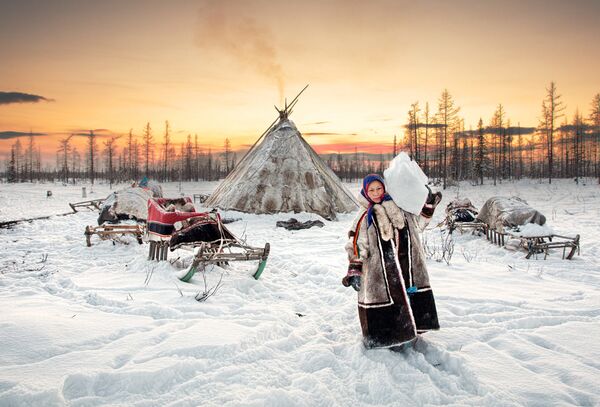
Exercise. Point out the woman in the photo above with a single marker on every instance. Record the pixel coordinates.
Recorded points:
(387, 268)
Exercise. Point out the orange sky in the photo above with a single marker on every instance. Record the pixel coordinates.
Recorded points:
(216, 68)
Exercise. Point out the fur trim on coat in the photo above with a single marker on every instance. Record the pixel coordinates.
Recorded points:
(389, 218)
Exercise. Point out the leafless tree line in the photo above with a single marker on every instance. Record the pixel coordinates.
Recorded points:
(438, 140)
(120, 158)
(556, 147)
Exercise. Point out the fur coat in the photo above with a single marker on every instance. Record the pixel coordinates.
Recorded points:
(395, 300)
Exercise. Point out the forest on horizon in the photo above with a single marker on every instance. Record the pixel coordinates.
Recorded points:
(558, 147)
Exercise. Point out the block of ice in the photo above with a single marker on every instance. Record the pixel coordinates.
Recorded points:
(405, 182)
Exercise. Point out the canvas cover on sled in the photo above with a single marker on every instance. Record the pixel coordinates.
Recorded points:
(508, 212)
(129, 203)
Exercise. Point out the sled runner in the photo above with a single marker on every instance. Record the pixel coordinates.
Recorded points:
(222, 253)
(202, 232)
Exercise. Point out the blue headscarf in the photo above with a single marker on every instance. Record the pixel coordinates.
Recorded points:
(366, 182)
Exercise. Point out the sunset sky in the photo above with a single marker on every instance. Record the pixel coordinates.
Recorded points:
(216, 68)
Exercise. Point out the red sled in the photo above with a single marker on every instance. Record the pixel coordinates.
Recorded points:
(170, 226)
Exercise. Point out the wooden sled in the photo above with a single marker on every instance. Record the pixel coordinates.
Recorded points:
(473, 227)
(535, 245)
(222, 254)
(453, 217)
(92, 205)
(202, 232)
(113, 232)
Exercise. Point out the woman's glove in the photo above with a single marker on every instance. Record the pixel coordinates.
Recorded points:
(432, 201)
(353, 275)
(355, 282)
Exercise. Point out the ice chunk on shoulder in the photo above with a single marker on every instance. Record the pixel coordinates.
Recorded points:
(405, 182)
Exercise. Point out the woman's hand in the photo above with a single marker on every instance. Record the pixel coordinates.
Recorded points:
(355, 282)
(353, 275)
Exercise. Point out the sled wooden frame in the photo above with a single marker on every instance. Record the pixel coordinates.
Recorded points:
(92, 205)
(538, 244)
(221, 253)
(464, 226)
(112, 232)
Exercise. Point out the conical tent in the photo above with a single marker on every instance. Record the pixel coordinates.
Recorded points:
(283, 174)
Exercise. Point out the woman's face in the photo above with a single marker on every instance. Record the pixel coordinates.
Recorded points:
(375, 191)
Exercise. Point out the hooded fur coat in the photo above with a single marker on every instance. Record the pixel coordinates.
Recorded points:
(395, 300)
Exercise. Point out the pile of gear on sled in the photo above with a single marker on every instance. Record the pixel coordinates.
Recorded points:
(168, 224)
(509, 222)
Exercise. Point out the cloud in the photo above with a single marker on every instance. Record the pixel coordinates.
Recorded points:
(512, 131)
(423, 125)
(315, 123)
(100, 133)
(348, 148)
(572, 127)
(7, 98)
(382, 119)
(316, 133)
(7, 135)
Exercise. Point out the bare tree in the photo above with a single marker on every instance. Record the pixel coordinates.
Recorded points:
(196, 158)
(413, 127)
(65, 149)
(166, 143)
(496, 129)
(130, 153)
(227, 154)
(136, 158)
(552, 108)
(147, 148)
(110, 147)
(189, 148)
(11, 170)
(92, 152)
(75, 162)
(426, 114)
(578, 129)
(594, 119)
(520, 166)
(447, 117)
(18, 159)
(481, 151)
(209, 165)
(30, 153)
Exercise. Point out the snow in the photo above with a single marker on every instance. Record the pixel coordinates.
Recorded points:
(406, 183)
(533, 229)
(105, 326)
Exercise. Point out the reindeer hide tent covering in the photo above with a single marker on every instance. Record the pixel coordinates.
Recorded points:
(283, 174)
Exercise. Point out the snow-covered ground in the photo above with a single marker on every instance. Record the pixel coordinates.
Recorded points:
(103, 325)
